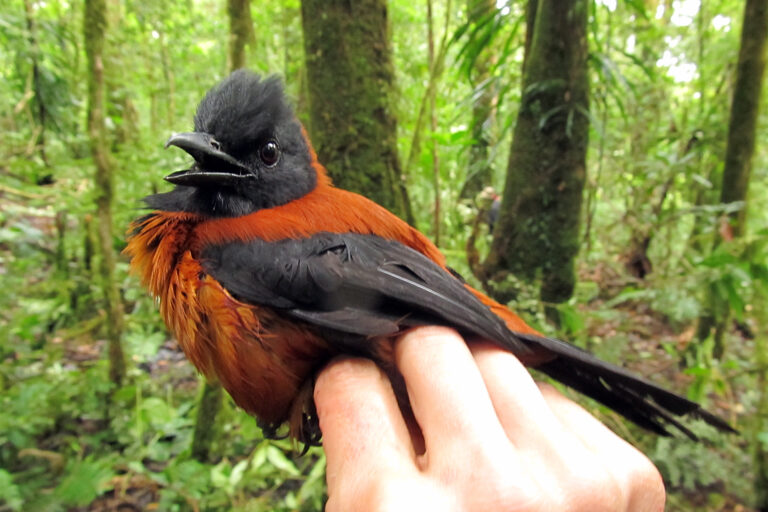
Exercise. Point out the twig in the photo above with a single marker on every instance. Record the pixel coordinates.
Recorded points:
(17, 192)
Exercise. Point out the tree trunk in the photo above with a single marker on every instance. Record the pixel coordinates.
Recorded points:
(351, 81)
(738, 165)
(94, 27)
(62, 262)
(240, 32)
(744, 111)
(538, 225)
(208, 407)
(531, 10)
(742, 128)
(761, 415)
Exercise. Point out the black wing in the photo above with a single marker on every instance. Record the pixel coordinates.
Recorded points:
(355, 284)
(363, 285)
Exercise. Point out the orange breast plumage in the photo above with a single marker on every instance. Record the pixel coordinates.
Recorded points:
(260, 358)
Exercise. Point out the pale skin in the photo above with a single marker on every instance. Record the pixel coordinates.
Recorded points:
(493, 439)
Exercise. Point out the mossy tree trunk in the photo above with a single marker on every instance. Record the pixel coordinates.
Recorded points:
(208, 407)
(742, 128)
(761, 415)
(212, 395)
(744, 111)
(94, 27)
(537, 233)
(350, 83)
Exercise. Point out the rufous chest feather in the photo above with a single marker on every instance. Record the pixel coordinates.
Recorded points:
(257, 355)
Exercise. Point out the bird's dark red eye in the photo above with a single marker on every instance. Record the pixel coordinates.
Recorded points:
(269, 153)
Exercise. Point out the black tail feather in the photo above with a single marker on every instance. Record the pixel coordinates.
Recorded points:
(635, 398)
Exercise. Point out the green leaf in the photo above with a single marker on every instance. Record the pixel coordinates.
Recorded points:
(85, 480)
(156, 411)
(278, 459)
(570, 318)
(9, 491)
(259, 456)
(629, 294)
(314, 480)
(220, 474)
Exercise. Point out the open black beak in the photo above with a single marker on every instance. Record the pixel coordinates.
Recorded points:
(212, 165)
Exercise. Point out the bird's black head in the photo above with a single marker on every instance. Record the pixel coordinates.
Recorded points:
(249, 151)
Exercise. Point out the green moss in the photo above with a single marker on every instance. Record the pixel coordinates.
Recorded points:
(351, 79)
(208, 407)
(94, 26)
(745, 109)
(538, 228)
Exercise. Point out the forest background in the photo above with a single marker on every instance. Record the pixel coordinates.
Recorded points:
(647, 245)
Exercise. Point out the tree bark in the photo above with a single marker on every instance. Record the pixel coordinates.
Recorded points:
(351, 81)
(62, 262)
(537, 233)
(94, 27)
(761, 415)
(208, 407)
(744, 111)
(740, 149)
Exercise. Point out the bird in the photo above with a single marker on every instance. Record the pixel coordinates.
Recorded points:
(264, 272)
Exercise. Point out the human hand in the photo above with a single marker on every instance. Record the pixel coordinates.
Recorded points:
(493, 439)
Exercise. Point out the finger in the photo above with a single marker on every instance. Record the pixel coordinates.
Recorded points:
(520, 406)
(548, 451)
(576, 419)
(640, 481)
(363, 431)
(447, 394)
